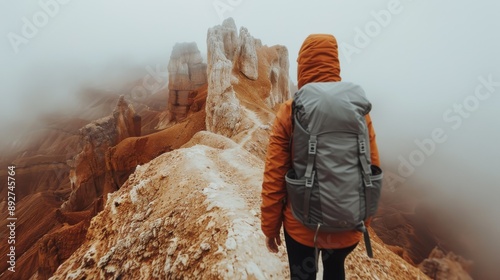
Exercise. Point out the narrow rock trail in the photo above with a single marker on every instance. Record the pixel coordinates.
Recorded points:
(257, 125)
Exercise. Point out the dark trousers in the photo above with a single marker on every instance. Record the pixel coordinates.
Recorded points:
(302, 261)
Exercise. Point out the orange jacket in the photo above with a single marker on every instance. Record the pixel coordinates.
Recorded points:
(317, 62)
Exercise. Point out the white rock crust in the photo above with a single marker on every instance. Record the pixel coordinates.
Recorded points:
(184, 215)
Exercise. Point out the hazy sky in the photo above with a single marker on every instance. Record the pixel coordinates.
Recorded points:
(431, 68)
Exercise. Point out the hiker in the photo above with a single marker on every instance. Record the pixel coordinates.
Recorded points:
(317, 63)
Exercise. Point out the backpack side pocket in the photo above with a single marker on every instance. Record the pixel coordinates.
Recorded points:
(373, 192)
(296, 189)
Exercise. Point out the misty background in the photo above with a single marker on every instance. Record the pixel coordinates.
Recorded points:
(415, 67)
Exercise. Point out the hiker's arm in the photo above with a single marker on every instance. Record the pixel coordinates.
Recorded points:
(373, 142)
(277, 164)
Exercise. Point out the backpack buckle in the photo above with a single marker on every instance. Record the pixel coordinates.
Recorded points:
(368, 181)
(362, 146)
(312, 147)
(310, 181)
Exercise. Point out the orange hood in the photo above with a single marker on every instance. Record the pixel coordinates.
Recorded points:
(318, 60)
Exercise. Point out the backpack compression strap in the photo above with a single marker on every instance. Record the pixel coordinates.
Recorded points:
(367, 172)
(310, 174)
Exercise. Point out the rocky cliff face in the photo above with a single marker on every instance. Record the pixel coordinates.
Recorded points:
(42, 173)
(89, 166)
(46, 236)
(187, 73)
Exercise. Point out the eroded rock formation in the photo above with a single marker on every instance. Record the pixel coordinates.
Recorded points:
(223, 108)
(233, 60)
(89, 166)
(248, 61)
(279, 78)
(187, 73)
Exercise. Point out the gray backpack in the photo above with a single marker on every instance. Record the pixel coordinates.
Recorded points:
(332, 185)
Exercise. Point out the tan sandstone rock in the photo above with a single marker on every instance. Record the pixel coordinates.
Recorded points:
(187, 73)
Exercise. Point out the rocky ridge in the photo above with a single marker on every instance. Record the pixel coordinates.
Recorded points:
(193, 213)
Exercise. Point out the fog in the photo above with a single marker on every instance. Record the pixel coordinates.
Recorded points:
(431, 70)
